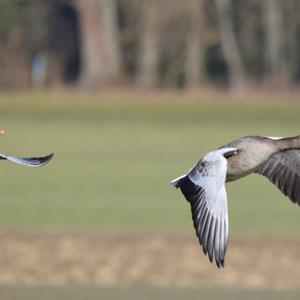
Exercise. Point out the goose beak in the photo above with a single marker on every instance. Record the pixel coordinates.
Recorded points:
(2, 132)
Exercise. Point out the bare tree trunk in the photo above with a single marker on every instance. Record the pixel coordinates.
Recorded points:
(147, 73)
(292, 42)
(113, 56)
(194, 60)
(17, 64)
(92, 72)
(276, 59)
(101, 52)
(230, 45)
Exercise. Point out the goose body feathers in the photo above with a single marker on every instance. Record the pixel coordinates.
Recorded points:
(203, 185)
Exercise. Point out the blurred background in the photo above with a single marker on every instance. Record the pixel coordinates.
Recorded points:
(129, 94)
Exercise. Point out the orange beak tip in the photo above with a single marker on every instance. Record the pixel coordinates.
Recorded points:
(2, 132)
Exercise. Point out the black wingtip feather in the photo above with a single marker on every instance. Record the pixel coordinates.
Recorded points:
(40, 161)
(189, 189)
(37, 161)
(45, 159)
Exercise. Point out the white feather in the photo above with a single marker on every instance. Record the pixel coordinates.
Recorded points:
(274, 137)
(175, 181)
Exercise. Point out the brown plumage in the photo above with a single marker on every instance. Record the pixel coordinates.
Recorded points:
(203, 186)
(278, 159)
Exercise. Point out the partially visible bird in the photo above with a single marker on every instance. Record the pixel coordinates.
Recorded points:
(203, 186)
(27, 161)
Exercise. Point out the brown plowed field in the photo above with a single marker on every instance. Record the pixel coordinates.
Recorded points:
(136, 258)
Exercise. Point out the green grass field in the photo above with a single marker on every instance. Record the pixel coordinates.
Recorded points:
(115, 154)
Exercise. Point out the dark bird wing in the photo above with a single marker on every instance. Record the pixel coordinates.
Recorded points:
(204, 188)
(28, 161)
(283, 169)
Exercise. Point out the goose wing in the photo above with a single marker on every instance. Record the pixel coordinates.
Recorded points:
(28, 161)
(283, 169)
(204, 188)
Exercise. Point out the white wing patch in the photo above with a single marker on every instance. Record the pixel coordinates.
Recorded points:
(204, 189)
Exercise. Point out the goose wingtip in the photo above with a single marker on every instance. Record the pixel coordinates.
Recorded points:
(176, 182)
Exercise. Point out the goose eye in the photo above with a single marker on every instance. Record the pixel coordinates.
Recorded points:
(230, 153)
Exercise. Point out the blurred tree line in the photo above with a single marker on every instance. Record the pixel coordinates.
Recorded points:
(149, 43)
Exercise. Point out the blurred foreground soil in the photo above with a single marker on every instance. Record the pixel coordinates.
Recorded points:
(39, 257)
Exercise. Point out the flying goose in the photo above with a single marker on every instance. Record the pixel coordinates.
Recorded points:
(203, 186)
(26, 161)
